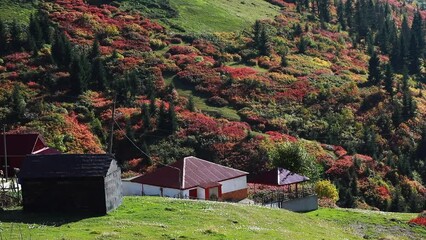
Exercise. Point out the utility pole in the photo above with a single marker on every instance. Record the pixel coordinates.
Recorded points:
(111, 137)
(6, 174)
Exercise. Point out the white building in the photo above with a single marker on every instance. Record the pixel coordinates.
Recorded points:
(193, 178)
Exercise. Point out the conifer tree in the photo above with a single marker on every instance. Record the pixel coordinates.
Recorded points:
(349, 13)
(79, 74)
(61, 50)
(389, 80)
(162, 115)
(152, 106)
(421, 146)
(18, 103)
(264, 42)
(408, 104)
(418, 32)
(35, 32)
(98, 78)
(3, 38)
(172, 118)
(414, 56)
(95, 51)
(397, 114)
(15, 36)
(191, 106)
(302, 45)
(341, 15)
(146, 117)
(324, 10)
(374, 74)
(405, 31)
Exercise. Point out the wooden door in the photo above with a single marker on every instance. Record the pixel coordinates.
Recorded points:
(193, 194)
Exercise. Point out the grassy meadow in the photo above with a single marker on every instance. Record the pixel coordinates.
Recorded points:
(15, 10)
(165, 218)
(210, 16)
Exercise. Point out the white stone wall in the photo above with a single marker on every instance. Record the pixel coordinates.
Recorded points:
(131, 188)
(234, 184)
(151, 190)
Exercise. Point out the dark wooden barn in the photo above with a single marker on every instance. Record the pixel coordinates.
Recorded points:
(71, 183)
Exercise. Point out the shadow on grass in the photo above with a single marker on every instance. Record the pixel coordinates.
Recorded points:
(47, 219)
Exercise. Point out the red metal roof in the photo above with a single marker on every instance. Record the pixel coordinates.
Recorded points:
(194, 172)
(20, 144)
(277, 177)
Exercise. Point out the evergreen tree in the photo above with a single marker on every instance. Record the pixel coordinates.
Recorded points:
(397, 114)
(98, 77)
(146, 117)
(374, 74)
(414, 56)
(79, 74)
(162, 115)
(257, 30)
(418, 33)
(341, 15)
(172, 118)
(264, 42)
(15, 36)
(152, 105)
(405, 32)
(421, 146)
(369, 142)
(95, 51)
(61, 50)
(408, 105)
(324, 10)
(18, 103)
(389, 80)
(284, 62)
(349, 13)
(3, 38)
(395, 57)
(191, 106)
(35, 32)
(303, 44)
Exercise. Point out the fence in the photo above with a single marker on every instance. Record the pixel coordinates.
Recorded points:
(277, 197)
(10, 193)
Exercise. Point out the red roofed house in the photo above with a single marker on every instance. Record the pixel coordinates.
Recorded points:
(18, 146)
(194, 178)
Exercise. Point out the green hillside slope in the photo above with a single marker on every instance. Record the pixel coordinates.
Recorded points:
(210, 16)
(15, 10)
(162, 218)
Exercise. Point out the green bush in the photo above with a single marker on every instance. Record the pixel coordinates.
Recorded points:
(326, 189)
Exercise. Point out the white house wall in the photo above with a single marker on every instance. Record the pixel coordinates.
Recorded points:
(234, 184)
(151, 190)
(201, 193)
(131, 188)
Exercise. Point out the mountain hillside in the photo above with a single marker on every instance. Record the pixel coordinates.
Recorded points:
(328, 90)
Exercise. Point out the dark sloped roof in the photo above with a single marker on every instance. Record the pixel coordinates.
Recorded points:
(277, 177)
(19, 144)
(195, 172)
(65, 165)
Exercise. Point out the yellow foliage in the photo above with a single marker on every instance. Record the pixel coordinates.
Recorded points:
(325, 189)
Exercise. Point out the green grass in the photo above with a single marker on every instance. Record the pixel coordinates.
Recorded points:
(13, 10)
(164, 218)
(200, 102)
(216, 16)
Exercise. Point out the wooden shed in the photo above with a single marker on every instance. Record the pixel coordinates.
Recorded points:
(71, 183)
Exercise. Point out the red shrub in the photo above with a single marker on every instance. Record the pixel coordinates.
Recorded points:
(419, 221)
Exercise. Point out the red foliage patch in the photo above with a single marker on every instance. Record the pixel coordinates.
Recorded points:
(238, 73)
(419, 221)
